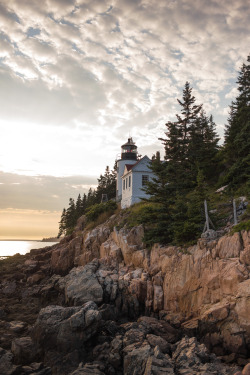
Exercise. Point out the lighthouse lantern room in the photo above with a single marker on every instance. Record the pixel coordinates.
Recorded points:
(129, 150)
(128, 156)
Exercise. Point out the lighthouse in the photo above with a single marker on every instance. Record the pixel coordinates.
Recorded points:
(128, 157)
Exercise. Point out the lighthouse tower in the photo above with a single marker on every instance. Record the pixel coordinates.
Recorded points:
(128, 156)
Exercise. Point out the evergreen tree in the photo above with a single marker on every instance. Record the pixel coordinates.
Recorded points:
(78, 207)
(203, 147)
(70, 217)
(83, 204)
(180, 169)
(106, 185)
(62, 223)
(191, 145)
(237, 140)
(156, 216)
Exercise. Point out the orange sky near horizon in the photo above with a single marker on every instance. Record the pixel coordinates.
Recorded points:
(28, 224)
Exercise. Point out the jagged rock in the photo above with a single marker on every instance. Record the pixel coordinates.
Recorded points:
(90, 369)
(135, 358)
(8, 287)
(209, 235)
(193, 358)
(159, 364)
(63, 257)
(17, 327)
(160, 328)
(163, 345)
(23, 350)
(245, 254)
(229, 246)
(35, 278)
(115, 355)
(82, 285)
(91, 244)
(246, 370)
(62, 331)
(3, 313)
(6, 362)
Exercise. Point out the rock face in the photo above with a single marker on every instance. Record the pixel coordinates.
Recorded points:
(101, 303)
(207, 284)
(61, 333)
(82, 285)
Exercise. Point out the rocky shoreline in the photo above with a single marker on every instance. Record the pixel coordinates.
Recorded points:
(100, 303)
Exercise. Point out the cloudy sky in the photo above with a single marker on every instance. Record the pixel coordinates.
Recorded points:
(77, 77)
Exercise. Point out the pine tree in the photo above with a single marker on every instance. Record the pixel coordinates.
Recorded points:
(83, 204)
(106, 185)
(156, 216)
(203, 146)
(191, 145)
(70, 216)
(62, 223)
(237, 140)
(78, 207)
(180, 169)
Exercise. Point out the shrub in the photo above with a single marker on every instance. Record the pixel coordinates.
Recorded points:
(94, 212)
(244, 225)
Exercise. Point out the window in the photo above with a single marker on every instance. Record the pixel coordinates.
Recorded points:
(129, 181)
(126, 183)
(123, 184)
(145, 179)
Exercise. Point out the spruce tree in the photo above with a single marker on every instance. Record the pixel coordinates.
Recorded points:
(191, 145)
(62, 223)
(83, 204)
(70, 217)
(78, 207)
(180, 169)
(237, 139)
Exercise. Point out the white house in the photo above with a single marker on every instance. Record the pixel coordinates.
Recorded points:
(132, 175)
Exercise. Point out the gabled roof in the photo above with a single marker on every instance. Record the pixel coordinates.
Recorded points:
(129, 167)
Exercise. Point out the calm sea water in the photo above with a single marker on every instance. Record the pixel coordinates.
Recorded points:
(22, 247)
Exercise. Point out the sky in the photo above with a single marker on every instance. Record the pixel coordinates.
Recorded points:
(78, 77)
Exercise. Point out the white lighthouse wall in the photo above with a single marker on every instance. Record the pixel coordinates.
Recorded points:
(121, 166)
(134, 193)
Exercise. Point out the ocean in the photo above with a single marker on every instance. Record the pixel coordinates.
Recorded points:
(8, 248)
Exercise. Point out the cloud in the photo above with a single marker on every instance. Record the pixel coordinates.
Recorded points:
(114, 67)
(79, 76)
(44, 193)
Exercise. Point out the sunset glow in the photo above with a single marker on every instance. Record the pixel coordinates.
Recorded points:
(78, 77)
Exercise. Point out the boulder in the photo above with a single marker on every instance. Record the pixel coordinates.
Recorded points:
(193, 358)
(63, 257)
(229, 246)
(61, 332)
(82, 285)
(6, 362)
(23, 350)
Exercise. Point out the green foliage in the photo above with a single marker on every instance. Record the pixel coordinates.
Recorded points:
(193, 167)
(180, 184)
(69, 217)
(9, 264)
(244, 225)
(237, 141)
(96, 210)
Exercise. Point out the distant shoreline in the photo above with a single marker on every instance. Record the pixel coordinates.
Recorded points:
(43, 240)
(21, 240)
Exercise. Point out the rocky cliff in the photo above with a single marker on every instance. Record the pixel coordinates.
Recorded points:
(99, 302)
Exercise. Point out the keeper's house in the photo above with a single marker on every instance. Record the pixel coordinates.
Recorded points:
(132, 175)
